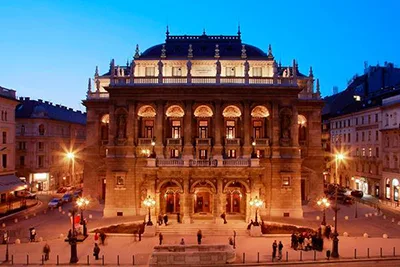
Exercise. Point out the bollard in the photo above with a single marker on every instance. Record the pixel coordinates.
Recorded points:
(287, 256)
(133, 259)
(315, 255)
(12, 259)
(367, 252)
(118, 260)
(88, 263)
(258, 257)
(301, 255)
(394, 251)
(381, 252)
(102, 260)
(244, 257)
(355, 253)
(27, 259)
(42, 259)
(58, 260)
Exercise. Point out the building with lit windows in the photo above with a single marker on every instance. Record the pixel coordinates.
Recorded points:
(45, 133)
(203, 124)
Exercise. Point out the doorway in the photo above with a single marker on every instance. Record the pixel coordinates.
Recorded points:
(202, 203)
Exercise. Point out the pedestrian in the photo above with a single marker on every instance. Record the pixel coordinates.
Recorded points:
(140, 234)
(178, 217)
(5, 237)
(280, 247)
(165, 219)
(199, 237)
(223, 216)
(182, 242)
(69, 236)
(96, 238)
(160, 237)
(274, 247)
(32, 234)
(46, 252)
(160, 219)
(292, 239)
(96, 251)
(102, 238)
(250, 225)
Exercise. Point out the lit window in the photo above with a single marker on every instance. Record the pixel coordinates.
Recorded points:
(148, 129)
(370, 152)
(363, 152)
(203, 129)
(230, 71)
(176, 71)
(150, 71)
(203, 154)
(231, 154)
(176, 129)
(286, 181)
(230, 129)
(174, 153)
(257, 72)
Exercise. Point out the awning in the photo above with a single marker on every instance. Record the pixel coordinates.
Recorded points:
(9, 183)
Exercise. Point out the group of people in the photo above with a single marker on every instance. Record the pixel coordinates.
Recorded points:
(199, 238)
(275, 247)
(307, 241)
(162, 219)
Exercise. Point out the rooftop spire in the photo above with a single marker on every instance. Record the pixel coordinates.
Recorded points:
(318, 89)
(311, 72)
(190, 51)
(167, 32)
(127, 62)
(137, 55)
(96, 72)
(216, 55)
(89, 87)
(163, 51)
(204, 31)
(239, 33)
(112, 66)
(270, 52)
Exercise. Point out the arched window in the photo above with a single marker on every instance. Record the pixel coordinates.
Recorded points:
(41, 129)
(259, 116)
(175, 111)
(105, 121)
(395, 184)
(203, 111)
(387, 191)
(395, 118)
(147, 116)
(22, 129)
(302, 122)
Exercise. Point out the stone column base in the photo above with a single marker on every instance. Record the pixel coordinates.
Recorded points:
(255, 231)
(150, 230)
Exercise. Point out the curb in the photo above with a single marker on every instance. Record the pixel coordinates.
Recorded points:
(38, 204)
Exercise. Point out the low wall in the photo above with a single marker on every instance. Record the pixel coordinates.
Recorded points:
(192, 255)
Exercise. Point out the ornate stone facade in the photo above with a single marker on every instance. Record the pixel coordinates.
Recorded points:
(203, 124)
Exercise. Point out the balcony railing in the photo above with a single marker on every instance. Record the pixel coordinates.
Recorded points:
(203, 141)
(174, 141)
(203, 163)
(262, 141)
(236, 162)
(169, 162)
(144, 141)
(232, 141)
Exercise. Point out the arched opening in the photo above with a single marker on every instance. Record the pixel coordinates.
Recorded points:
(105, 122)
(147, 116)
(170, 193)
(235, 193)
(175, 111)
(203, 197)
(203, 111)
(387, 191)
(302, 122)
(395, 184)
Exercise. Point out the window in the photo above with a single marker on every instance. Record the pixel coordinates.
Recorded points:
(370, 152)
(230, 129)
(4, 161)
(376, 135)
(363, 136)
(21, 145)
(174, 153)
(357, 152)
(22, 129)
(148, 129)
(22, 160)
(376, 117)
(336, 125)
(4, 137)
(5, 115)
(377, 152)
(286, 181)
(356, 137)
(362, 120)
(176, 71)
(257, 128)
(257, 72)
(369, 135)
(356, 121)
(348, 138)
(176, 129)
(41, 129)
(203, 129)
(203, 154)
(340, 124)
(348, 123)
(231, 154)
(40, 161)
(387, 120)
(150, 71)
(40, 146)
(363, 152)
(230, 71)
(387, 192)
(369, 119)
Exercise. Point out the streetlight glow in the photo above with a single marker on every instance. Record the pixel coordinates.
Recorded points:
(70, 155)
(339, 156)
(256, 202)
(149, 203)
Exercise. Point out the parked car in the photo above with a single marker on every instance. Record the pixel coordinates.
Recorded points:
(61, 190)
(357, 193)
(25, 194)
(78, 193)
(55, 203)
(67, 198)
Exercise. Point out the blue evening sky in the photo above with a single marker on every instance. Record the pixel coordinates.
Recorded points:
(49, 49)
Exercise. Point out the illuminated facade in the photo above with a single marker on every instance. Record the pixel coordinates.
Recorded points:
(203, 124)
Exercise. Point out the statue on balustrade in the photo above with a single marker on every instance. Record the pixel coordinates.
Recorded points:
(246, 68)
(218, 65)
(121, 130)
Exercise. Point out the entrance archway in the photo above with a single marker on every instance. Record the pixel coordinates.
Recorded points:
(235, 194)
(170, 193)
(203, 193)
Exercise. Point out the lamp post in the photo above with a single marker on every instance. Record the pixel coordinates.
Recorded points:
(324, 203)
(71, 157)
(335, 244)
(253, 153)
(149, 203)
(72, 240)
(153, 144)
(256, 203)
(6, 239)
(234, 239)
(82, 204)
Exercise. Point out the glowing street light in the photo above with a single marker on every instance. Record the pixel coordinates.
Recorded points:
(70, 155)
(149, 203)
(324, 203)
(335, 244)
(257, 203)
(82, 203)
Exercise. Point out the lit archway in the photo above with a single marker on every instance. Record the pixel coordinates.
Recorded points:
(260, 112)
(175, 111)
(203, 111)
(105, 122)
(231, 112)
(146, 112)
(395, 184)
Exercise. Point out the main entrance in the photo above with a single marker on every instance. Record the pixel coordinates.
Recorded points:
(202, 202)
(235, 193)
(170, 198)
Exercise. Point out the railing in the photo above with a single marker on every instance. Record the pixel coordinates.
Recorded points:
(145, 80)
(144, 141)
(232, 80)
(262, 141)
(174, 141)
(203, 141)
(235, 162)
(175, 80)
(232, 141)
(203, 163)
(261, 80)
(169, 162)
(98, 95)
(204, 80)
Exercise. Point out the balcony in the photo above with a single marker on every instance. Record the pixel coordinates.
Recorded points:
(203, 163)
(104, 142)
(236, 162)
(169, 162)
(232, 141)
(144, 141)
(203, 141)
(174, 141)
(262, 141)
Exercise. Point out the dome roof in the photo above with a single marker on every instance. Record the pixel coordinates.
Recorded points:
(203, 46)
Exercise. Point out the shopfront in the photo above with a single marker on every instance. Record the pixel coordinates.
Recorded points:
(39, 181)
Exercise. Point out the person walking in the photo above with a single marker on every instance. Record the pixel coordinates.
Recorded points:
(160, 219)
(280, 247)
(96, 251)
(96, 238)
(182, 242)
(223, 216)
(161, 238)
(103, 238)
(46, 252)
(165, 219)
(274, 247)
(199, 237)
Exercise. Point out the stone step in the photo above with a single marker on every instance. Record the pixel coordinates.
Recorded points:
(207, 232)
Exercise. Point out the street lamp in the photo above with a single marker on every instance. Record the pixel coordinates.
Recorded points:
(324, 203)
(82, 203)
(71, 157)
(253, 153)
(6, 239)
(149, 203)
(72, 240)
(335, 244)
(256, 203)
(153, 153)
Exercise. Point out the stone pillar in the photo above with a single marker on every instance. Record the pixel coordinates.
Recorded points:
(218, 127)
(248, 208)
(187, 122)
(129, 129)
(247, 149)
(276, 131)
(221, 199)
(295, 128)
(159, 147)
(157, 209)
(112, 126)
(215, 207)
(186, 202)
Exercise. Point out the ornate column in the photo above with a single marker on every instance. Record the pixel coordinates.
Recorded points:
(246, 121)
(186, 202)
(130, 131)
(276, 131)
(295, 127)
(217, 153)
(159, 147)
(112, 126)
(221, 198)
(188, 146)
(248, 211)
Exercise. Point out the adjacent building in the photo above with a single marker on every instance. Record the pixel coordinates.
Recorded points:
(203, 124)
(45, 134)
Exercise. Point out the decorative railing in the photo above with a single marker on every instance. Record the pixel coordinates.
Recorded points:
(144, 141)
(236, 162)
(203, 163)
(232, 80)
(232, 141)
(169, 162)
(203, 141)
(262, 141)
(174, 141)
(98, 95)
